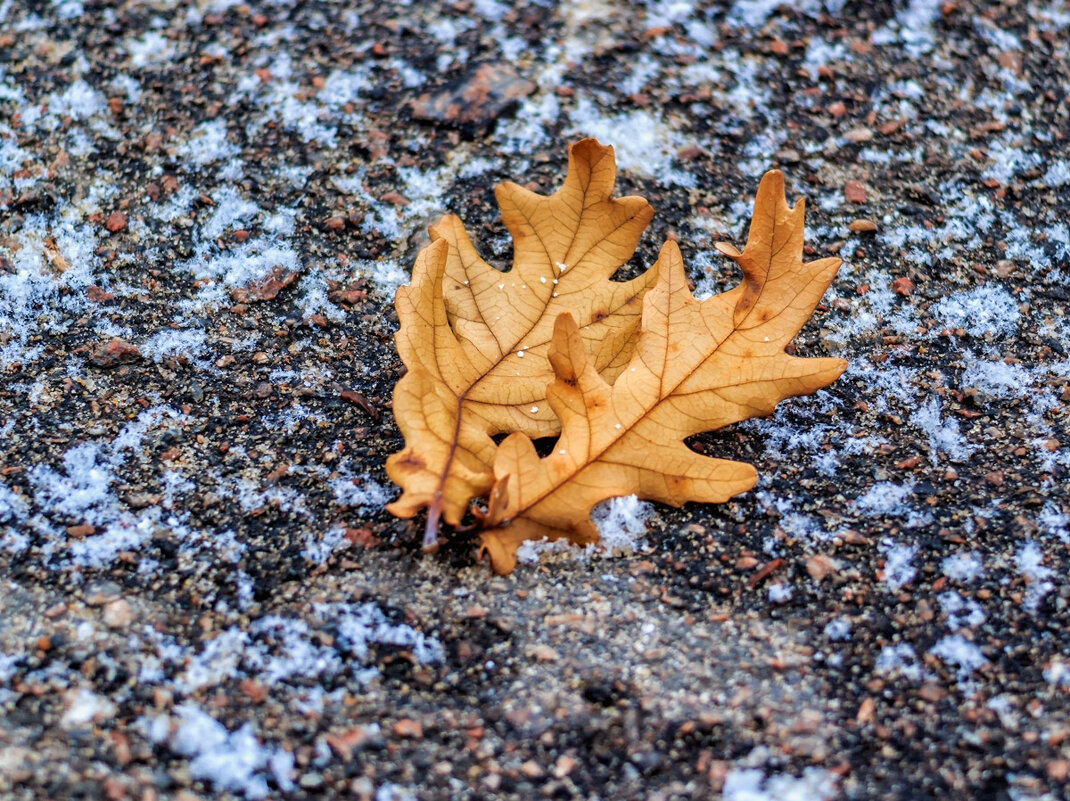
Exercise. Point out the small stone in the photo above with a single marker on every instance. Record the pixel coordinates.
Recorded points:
(930, 692)
(266, 289)
(854, 192)
(255, 691)
(474, 100)
(409, 728)
(98, 295)
(15, 765)
(543, 653)
(837, 109)
(532, 769)
(859, 135)
(862, 226)
(778, 47)
(116, 222)
(903, 286)
(114, 353)
(1059, 769)
(820, 566)
(263, 390)
(79, 531)
(564, 766)
(118, 614)
(101, 592)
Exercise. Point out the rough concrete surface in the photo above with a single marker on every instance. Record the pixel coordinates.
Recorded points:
(205, 209)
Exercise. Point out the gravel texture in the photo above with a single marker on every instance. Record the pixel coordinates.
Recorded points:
(205, 208)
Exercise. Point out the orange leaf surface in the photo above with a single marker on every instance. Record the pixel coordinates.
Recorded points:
(476, 339)
(697, 366)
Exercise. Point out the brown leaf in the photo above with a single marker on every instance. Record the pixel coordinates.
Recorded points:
(697, 366)
(476, 340)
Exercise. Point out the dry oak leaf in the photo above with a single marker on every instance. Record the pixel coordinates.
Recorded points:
(697, 366)
(475, 339)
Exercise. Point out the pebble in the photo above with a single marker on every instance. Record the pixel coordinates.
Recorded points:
(118, 614)
(101, 592)
(116, 222)
(409, 728)
(854, 192)
(862, 226)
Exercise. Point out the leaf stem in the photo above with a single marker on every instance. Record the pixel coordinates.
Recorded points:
(431, 529)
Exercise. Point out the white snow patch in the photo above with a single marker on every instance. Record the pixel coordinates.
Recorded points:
(898, 570)
(360, 492)
(1058, 174)
(752, 784)
(985, 310)
(622, 522)
(901, 658)
(943, 435)
(963, 566)
(838, 630)
(233, 761)
(885, 498)
(642, 141)
(961, 612)
(319, 550)
(208, 144)
(79, 101)
(83, 706)
(964, 655)
(1038, 577)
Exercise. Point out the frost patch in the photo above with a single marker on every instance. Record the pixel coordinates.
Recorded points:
(173, 343)
(208, 144)
(362, 493)
(985, 310)
(79, 101)
(912, 27)
(885, 498)
(943, 435)
(281, 650)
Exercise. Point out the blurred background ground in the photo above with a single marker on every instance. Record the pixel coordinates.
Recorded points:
(205, 209)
